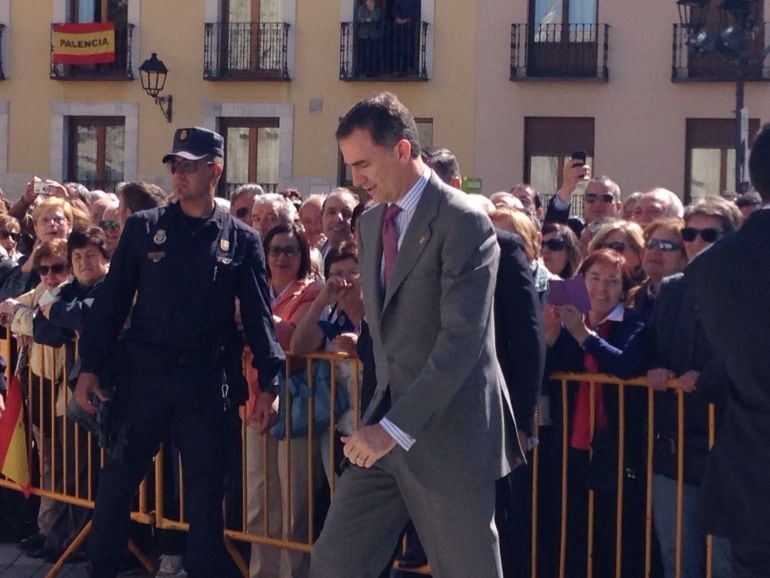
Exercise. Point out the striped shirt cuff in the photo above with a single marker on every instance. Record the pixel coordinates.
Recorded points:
(402, 438)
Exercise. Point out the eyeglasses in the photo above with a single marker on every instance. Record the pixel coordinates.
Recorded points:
(107, 225)
(242, 212)
(289, 251)
(709, 234)
(57, 269)
(184, 166)
(553, 244)
(9, 235)
(347, 275)
(617, 246)
(663, 245)
(591, 198)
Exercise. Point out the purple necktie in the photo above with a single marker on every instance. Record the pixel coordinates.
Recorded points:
(389, 241)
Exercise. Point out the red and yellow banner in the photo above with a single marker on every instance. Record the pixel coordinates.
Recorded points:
(14, 461)
(84, 43)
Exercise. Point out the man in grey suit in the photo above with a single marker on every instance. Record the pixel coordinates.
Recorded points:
(433, 440)
(731, 282)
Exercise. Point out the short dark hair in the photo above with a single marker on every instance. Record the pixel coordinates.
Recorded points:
(347, 250)
(139, 196)
(304, 247)
(717, 208)
(385, 118)
(358, 211)
(93, 236)
(759, 163)
(443, 162)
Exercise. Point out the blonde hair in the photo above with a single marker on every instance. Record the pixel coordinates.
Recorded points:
(633, 232)
(53, 203)
(517, 222)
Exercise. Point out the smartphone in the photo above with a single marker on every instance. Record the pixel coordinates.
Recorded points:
(579, 158)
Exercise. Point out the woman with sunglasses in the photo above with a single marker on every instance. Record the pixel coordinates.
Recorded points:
(560, 250)
(42, 373)
(681, 351)
(664, 255)
(625, 238)
(292, 291)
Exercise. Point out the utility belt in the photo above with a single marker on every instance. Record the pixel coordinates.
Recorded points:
(223, 355)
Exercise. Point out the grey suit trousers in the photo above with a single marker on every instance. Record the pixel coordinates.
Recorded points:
(371, 508)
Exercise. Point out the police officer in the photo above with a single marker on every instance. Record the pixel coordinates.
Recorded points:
(178, 270)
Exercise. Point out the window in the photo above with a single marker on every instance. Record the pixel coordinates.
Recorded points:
(548, 144)
(114, 11)
(710, 160)
(95, 151)
(425, 130)
(252, 153)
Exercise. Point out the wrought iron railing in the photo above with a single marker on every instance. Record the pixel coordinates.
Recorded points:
(246, 51)
(120, 69)
(691, 64)
(384, 53)
(559, 51)
(2, 73)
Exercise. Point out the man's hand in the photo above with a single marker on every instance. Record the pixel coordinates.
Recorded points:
(658, 378)
(688, 382)
(265, 412)
(572, 173)
(346, 342)
(368, 445)
(88, 383)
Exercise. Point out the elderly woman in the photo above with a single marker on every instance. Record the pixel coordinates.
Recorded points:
(560, 250)
(52, 219)
(664, 255)
(682, 351)
(606, 339)
(625, 238)
(292, 292)
(43, 374)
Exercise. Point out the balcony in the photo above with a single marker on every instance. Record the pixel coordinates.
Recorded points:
(246, 51)
(690, 65)
(2, 74)
(119, 69)
(559, 52)
(397, 54)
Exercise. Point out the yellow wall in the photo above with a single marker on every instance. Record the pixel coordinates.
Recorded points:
(175, 30)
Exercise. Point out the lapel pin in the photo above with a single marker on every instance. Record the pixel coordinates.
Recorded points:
(423, 239)
(160, 237)
(224, 244)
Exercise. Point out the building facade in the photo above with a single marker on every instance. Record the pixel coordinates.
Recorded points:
(512, 87)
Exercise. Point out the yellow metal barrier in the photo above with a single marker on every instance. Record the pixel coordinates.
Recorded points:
(67, 475)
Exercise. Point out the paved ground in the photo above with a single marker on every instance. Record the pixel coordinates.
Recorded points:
(15, 564)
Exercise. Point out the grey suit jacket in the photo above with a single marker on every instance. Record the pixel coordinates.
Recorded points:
(433, 337)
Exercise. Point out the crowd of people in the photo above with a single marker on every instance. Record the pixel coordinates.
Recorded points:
(638, 317)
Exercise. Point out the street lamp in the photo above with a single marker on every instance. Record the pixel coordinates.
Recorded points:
(731, 38)
(153, 76)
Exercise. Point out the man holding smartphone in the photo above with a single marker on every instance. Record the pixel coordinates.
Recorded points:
(601, 197)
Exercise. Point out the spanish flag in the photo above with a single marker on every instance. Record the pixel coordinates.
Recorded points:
(85, 43)
(14, 461)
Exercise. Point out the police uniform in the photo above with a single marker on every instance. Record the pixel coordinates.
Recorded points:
(178, 277)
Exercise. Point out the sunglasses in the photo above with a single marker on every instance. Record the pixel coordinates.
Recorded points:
(591, 198)
(275, 251)
(617, 246)
(553, 244)
(107, 225)
(709, 234)
(185, 166)
(9, 235)
(57, 269)
(663, 245)
(242, 212)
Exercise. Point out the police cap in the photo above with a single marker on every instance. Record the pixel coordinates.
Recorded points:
(195, 143)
